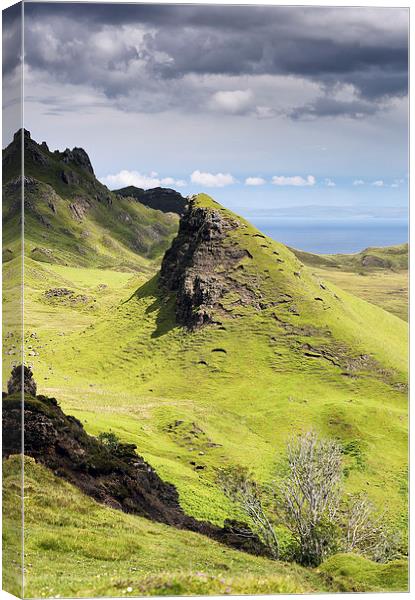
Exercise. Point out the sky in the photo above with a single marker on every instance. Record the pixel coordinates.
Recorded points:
(289, 111)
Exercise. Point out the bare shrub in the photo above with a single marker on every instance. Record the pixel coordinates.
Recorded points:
(240, 487)
(309, 503)
(309, 496)
(367, 532)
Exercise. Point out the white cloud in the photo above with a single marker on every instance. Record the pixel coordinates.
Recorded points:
(254, 181)
(329, 182)
(358, 182)
(296, 180)
(212, 179)
(125, 178)
(397, 182)
(233, 101)
(378, 183)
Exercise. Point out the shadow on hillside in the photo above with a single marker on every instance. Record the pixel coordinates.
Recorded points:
(162, 305)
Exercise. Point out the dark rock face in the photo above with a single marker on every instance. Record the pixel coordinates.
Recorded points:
(197, 265)
(113, 475)
(70, 177)
(33, 152)
(21, 377)
(369, 260)
(39, 155)
(122, 480)
(163, 199)
(79, 208)
(78, 157)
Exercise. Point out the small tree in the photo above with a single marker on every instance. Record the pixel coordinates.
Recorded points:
(309, 496)
(116, 447)
(240, 487)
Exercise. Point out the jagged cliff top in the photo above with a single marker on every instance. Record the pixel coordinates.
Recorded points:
(164, 199)
(219, 262)
(40, 155)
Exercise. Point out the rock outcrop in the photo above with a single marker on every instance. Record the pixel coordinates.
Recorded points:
(39, 155)
(370, 260)
(21, 379)
(164, 199)
(198, 264)
(107, 470)
(32, 150)
(79, 158)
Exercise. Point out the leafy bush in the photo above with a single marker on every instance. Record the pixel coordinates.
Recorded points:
(110, 440)
(116, 447)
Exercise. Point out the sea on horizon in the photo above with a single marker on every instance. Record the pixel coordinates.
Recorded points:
(333, 236)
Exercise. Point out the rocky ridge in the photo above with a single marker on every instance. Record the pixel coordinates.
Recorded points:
(164, 199)
(70, 216)
(39, 154)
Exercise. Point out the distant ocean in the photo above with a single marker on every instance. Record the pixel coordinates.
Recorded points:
(334, 235)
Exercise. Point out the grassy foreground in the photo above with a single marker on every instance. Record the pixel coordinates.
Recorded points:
(104, 552)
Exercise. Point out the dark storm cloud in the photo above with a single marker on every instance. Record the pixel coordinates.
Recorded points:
(12, 38)
(366, 48)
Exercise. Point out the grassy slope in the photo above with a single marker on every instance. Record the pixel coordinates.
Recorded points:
(101, 238)
(390, 257)
(117, 361)
(106, 552)
(385, 288)
(384, 284)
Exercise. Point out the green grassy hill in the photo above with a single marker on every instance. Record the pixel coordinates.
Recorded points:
(313, 355)
(390, 257)
(75, 547)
